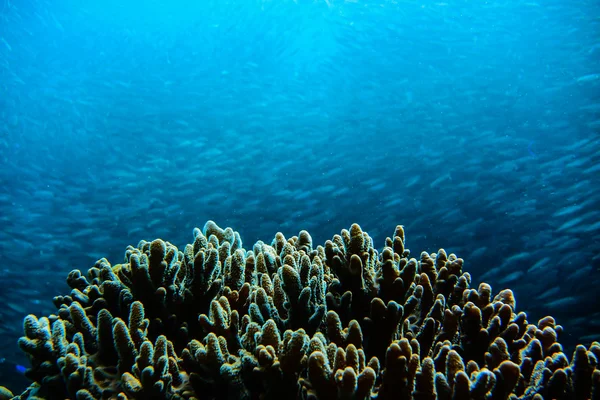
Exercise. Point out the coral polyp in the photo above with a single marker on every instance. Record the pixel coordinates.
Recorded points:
(297, 321)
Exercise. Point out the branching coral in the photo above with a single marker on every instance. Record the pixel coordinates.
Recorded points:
(290, 320)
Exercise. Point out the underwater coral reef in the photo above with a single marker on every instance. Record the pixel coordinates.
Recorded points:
(291, 320)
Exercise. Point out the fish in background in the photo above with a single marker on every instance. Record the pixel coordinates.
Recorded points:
(17, 367)
(329, 121)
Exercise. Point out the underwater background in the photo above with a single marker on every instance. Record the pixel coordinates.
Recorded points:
(475, 124)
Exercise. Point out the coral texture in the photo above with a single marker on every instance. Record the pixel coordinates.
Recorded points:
(289, 320)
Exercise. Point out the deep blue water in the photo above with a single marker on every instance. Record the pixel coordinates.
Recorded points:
(476, 124)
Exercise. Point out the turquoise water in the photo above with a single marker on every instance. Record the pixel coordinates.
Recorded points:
(474, 124)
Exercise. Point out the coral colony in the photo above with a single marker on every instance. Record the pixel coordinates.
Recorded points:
(289, 320)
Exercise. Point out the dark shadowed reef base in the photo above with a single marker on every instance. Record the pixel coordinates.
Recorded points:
(289, 320)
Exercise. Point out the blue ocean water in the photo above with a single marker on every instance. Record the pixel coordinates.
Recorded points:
(476, 125)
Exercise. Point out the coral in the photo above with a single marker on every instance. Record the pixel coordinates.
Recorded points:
(291, 320)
